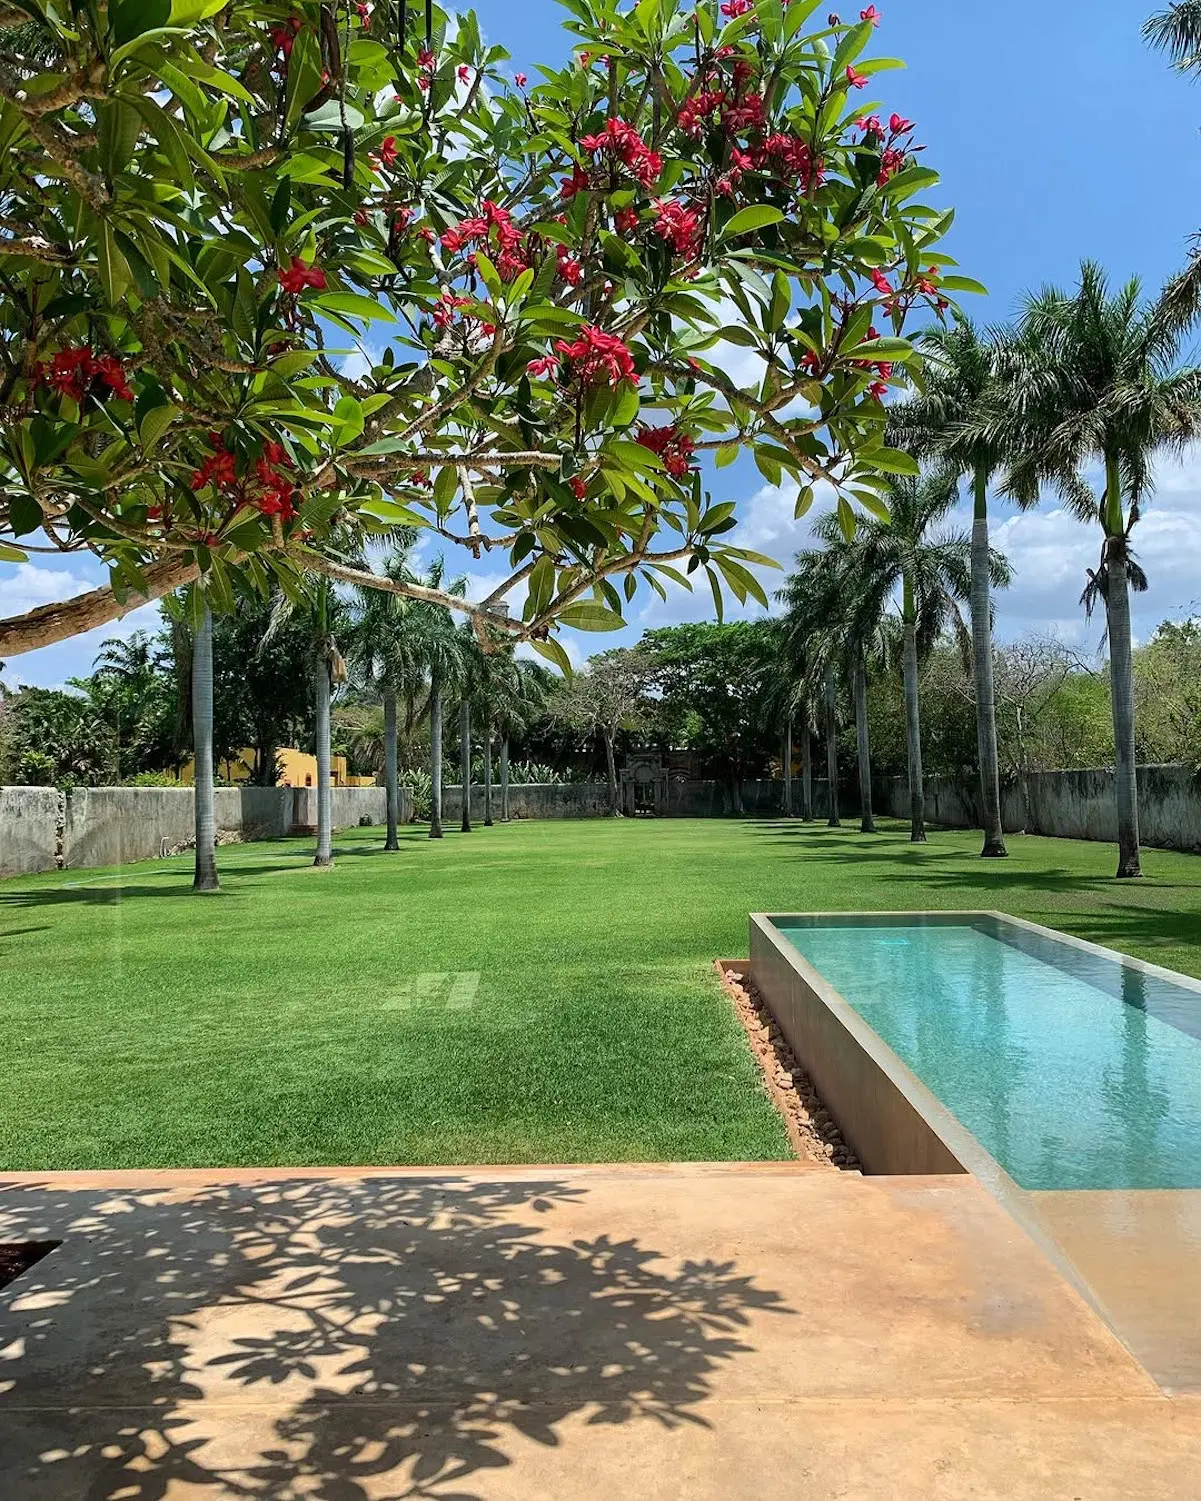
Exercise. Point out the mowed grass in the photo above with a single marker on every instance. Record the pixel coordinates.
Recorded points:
(539, 992)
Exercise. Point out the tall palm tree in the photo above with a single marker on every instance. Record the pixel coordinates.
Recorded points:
(518, 699)
(205, 878)
(1177, 31)
(1096, 379)
(384, 658)
(325, 618)
(438, 648)
(942, 422)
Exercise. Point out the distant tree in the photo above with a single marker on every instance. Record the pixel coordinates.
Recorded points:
(1167, 683)
(57, 739)
(611, 694)
(713, 685)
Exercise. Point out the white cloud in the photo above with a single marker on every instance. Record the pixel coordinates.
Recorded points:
(31, 584)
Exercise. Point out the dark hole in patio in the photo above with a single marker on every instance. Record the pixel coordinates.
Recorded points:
(17, 1257)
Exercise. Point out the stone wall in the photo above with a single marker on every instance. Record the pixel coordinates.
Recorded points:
(41, 828)
(1068, 805)
(591, 800)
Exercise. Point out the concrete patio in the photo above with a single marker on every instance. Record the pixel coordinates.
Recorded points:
(655, 1332)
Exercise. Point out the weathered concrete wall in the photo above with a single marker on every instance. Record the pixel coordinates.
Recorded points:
(30, 823)
(531, 800)
(1068, 805)
(117, 825)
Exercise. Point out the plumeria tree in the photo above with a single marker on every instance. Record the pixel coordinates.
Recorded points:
(205, 205)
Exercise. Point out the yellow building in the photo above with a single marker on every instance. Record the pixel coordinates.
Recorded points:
(296, 769)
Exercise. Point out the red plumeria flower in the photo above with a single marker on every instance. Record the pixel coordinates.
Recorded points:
(111, 371)
(547, 365)
(298, 276)
(878, 390)
(899, 125)
(520, 80)
(622, 143)
(673, 447)
(598, 358)
(425, 60)
(386, 155)
(733, 8)
(464, 72)
(890, 164)
(364, 11)
(856, 80)
(870, 14)
(870, 125)
(570, 269)
(625, 221)
(881, 283)
(576, 183)
(578, 488)
(423, 83)
(679, 226)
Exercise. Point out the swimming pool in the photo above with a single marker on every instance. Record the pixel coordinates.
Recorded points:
(1071, 1067)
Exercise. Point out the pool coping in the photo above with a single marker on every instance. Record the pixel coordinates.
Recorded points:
(1154, 1324)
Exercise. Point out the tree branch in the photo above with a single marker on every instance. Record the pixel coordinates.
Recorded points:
(47, 624)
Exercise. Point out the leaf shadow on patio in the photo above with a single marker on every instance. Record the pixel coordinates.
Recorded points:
(371, 1337)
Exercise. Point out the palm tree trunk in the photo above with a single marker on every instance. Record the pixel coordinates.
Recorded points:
(325, 811)
(610, 772)
(488, 775)
(913, 734)
(435, 753)
(788, 768)
(867, 823)
(465, 763)
(504, 777)
(806, 770)
(392, 790)
(1121, 677)
(982, 670)
(833, 822)
(205, 878)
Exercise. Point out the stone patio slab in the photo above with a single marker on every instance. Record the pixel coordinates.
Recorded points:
(649, 1332)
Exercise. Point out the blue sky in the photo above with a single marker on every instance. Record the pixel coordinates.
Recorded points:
(1059, 135)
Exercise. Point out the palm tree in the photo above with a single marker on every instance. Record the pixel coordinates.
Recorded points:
(438, 649)
(324, 616)
(1095, 378)
(205, 878)
(383, 656)
(518, 700)
(1177, 31)
(960, 375)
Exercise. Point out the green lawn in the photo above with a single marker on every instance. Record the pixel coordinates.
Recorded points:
(537, 992)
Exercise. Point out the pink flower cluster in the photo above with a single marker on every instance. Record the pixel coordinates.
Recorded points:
(78, 370)
(272, 490)
(673, 447)
(492, 220)
(679, 226)
(622, 144)
(893, 142)
(595, 358)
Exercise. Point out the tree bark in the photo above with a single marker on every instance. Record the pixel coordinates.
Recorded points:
(913, 736)
(806, 771)
(325, 809)
(205, 877)
(833, 822)
(610, 772)
(504, 777)
(391, 785)
(465, 764)
(1121, 678)
(982, 670)
(867, 822)
(788, 768)
(435, 753)
(488, 775)
(47, 624)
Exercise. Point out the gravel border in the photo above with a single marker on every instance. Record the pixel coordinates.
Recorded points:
(812, 1133)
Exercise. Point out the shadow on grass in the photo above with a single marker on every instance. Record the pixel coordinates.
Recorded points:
(345, 1339)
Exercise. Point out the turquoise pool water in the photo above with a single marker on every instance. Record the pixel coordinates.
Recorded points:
(1072, 1069)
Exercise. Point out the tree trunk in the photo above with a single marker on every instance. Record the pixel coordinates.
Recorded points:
(325, 808)
(391, 787)
(435, 753)
(205, 878)
(465, 763)
(488, 775)
(788, 768)
(806, 771)
(833, 822)
(504, 777)
(611, 772)
(1121, 678)
(982, 671)
(867, 823)
(913, 737)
